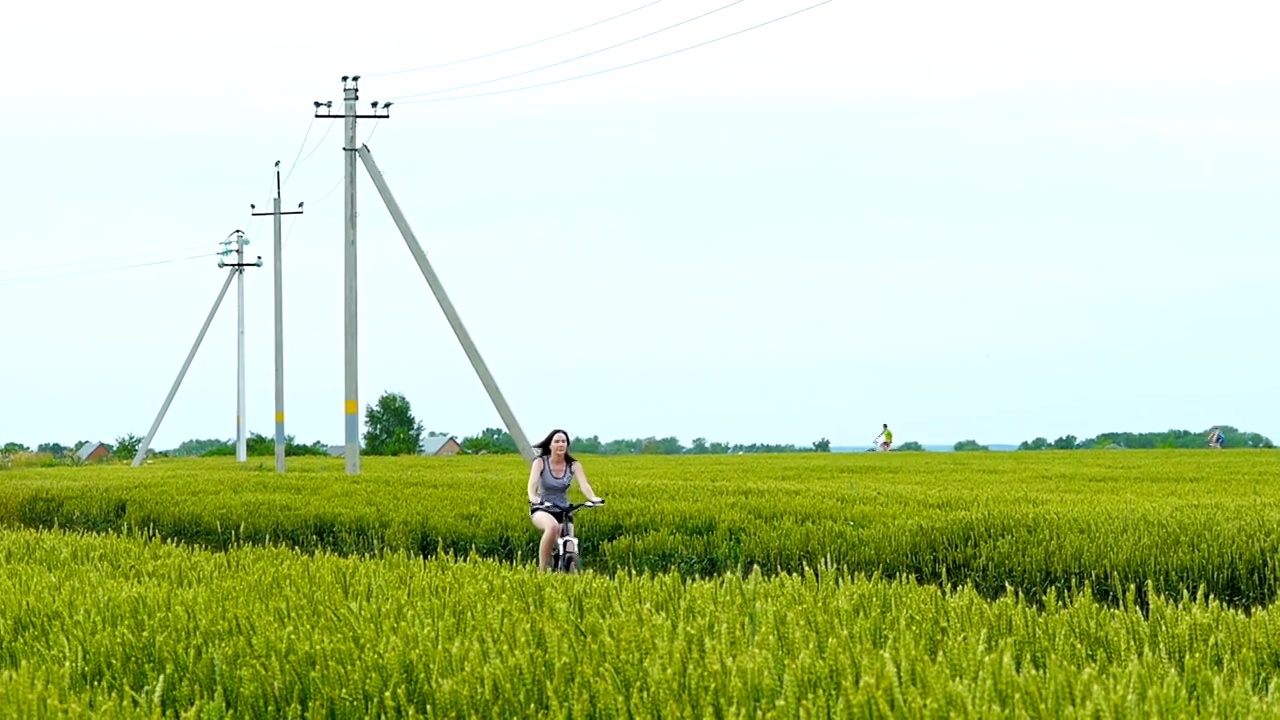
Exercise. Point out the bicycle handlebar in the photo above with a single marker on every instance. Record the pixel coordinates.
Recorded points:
(572, 507)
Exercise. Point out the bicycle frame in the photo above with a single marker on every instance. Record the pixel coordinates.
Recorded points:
(565, 558)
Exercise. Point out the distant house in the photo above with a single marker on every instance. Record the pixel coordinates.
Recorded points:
(336, 450)
(92, 452)
(440, 446)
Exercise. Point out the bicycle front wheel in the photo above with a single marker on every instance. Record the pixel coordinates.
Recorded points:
(569, 563)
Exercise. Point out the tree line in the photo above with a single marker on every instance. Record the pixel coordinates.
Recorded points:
(392, 429)
(497, 440)
(1170, 439)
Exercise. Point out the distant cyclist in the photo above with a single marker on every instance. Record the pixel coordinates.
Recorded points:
(549, 478)
(885, 437)
(1215, 439)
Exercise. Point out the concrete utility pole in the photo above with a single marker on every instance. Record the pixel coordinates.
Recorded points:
(350, 95)
(240, 241)
(279, 281)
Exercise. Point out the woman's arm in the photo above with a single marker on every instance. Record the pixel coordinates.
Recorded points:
(583, 484)
(534, 470)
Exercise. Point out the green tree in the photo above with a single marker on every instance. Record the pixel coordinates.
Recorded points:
(1238, 438)
(127, 446)
(670, 446)
(1037, 444)
(292, 448)
(55, 449)
(766, 448)
(823, 445)
(492, 441)
(1066, 442)
(255, 445)
(259, 445)
(587, 446)
(910, 446)
(391, 428)
(197, 448)
(623, 447)
(969, 446)
(11, 448)
(1171, 439)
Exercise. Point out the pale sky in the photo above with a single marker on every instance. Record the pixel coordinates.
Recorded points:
(987, 220)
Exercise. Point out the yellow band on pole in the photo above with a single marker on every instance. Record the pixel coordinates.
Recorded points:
(353, 407)
(279, 417)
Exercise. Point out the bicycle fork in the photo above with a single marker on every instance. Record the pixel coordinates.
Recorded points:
(567, 544)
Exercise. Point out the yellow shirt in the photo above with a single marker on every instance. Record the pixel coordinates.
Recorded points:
(888, 435)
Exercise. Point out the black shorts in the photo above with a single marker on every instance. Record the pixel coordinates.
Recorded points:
(555, 512)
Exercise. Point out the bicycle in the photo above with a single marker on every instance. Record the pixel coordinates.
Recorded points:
(566, 556)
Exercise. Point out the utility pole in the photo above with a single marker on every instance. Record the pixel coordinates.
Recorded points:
(279, 281)
(350, 95)
(239, 265)
(352, 452)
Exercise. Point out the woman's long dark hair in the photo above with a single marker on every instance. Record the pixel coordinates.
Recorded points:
(544, 447)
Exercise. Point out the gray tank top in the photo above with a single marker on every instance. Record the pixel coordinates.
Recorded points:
(552, 489)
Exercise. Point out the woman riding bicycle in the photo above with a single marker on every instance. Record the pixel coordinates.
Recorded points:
(549, 479)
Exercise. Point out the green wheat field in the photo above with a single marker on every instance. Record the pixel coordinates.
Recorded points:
(1037, 584)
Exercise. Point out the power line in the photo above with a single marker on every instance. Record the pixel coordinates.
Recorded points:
(303, 161)
(335, 185)
(619, 67)
(572, 59)
(327, 128)
(301, 147)
(326, 195)
(117, 258)
(92, 261)
(293, 222)
(96, 271)
(319, 143)
(298, 159)
(296, 162)
(270, 194)
(518, 47)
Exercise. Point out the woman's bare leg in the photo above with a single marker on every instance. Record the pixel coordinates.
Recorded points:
(550, 528)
